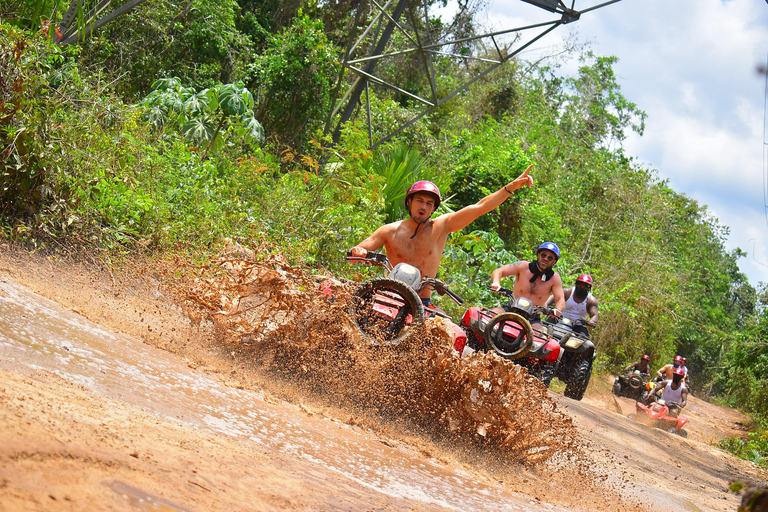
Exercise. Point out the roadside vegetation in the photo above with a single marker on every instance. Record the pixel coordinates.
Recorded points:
(184, 123)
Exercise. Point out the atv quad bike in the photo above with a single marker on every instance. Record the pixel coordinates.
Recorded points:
(559, 352)
(661, 414)
(386, 310)
(632, 385)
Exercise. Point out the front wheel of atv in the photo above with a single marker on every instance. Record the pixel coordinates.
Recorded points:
(375, 328)
(577, 384)
(617, 388)
(543, 371)
(507, 347)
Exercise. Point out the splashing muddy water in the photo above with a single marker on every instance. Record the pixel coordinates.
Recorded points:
(286, 419)
(273, 316)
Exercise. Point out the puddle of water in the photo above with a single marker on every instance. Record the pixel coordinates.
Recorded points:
(41, 334)
(144, 501)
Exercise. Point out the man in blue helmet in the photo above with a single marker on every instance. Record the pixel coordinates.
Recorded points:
(535, 280)
(419, 240)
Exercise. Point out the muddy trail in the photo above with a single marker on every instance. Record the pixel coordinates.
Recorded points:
(169, 386)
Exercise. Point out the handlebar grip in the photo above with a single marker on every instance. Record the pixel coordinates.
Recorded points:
(503, 291)
(455, 297)
(378, 256)
(369, 255)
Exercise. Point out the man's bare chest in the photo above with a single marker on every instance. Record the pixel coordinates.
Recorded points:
(535, 289)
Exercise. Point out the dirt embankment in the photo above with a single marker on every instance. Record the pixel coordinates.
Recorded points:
(64, 456)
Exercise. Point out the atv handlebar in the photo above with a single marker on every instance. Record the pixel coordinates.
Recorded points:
(541, 310)
(381, 260)
(441, 288)
(504, 291)
(372, 258)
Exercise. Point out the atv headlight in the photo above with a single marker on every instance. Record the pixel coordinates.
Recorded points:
(573, 343)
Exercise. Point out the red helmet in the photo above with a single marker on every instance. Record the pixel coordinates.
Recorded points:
(646, 357)
(678, 360)
(685, 360)
(585, 278)
(424, 187)
(679, 371)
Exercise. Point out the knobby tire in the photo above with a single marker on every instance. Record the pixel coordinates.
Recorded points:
(397, 330)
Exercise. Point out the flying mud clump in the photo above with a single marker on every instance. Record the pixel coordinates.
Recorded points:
(272, 316)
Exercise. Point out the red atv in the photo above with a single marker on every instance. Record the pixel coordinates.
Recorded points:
(384, 309)
(559, 352)
(511, 336)
(661, 414)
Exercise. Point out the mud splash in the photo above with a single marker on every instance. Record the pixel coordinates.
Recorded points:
(271, 316)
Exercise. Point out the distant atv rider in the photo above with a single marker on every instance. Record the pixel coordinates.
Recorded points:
(673, 390)
(643, 365)
(534, 280)
(580, 304)
(666, 371)
(420, 240)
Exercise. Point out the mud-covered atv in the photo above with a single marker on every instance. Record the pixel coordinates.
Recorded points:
(558, 352)
(386, 310)
(632, 385)
(509, 334)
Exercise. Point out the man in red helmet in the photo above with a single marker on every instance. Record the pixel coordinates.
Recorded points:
(666, 371)
(419, 240)
(684, 366)
(580, 304)
(643, 365)
(673, 391)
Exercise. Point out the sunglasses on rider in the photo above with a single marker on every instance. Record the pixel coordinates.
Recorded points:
(546, 256)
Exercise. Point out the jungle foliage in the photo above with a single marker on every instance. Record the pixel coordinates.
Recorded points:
(188, 122)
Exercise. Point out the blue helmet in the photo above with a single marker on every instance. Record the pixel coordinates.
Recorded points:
(549, 246)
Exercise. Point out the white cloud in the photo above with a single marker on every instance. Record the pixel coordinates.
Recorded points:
(691, 65)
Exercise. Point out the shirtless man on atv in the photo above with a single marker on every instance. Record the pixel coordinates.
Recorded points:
(535, 280)
(642, 365)
(667, 371)
(419, 240)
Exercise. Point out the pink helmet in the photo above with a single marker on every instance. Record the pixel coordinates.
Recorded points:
(645, 356)
(585, 278)
(424, 187)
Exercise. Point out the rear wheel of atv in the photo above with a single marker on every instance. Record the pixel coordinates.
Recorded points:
(577, 384)
(507, 347)
(377, 329)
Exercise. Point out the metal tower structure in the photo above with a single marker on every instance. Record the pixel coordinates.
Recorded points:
(423, 46)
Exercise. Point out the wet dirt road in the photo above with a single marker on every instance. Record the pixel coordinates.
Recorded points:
(40, 334)
(89, 417)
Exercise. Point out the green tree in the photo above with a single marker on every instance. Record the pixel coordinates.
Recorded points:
(292, 80)
(196, 41)
(203, 116)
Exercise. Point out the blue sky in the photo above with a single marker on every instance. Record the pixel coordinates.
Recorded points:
(691, 65)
